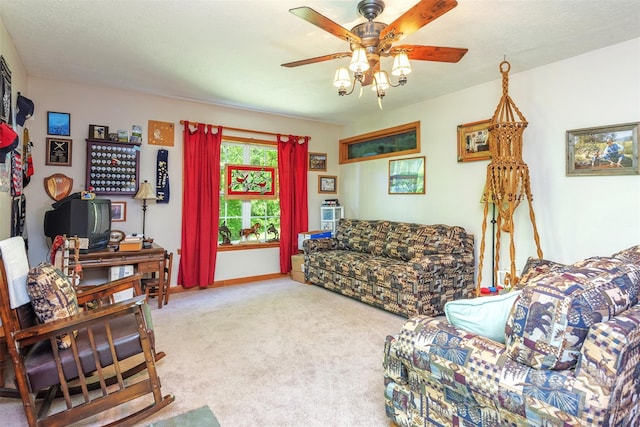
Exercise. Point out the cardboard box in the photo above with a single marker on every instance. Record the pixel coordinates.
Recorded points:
(297, 263)
(315, 234)
(298, 276)
(129, 246)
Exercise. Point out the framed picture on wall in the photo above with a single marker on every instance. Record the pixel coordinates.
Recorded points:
(58, 152)
(327, 184)
(406, 176)
(58, 123)
(98, 132)
(118, 211)
(604, 150)
(473, 141)
(317, 162)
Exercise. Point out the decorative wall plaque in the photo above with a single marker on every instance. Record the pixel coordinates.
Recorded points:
(161, 133)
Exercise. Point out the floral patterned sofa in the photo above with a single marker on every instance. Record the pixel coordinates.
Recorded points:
(407, 269)
(571, 355)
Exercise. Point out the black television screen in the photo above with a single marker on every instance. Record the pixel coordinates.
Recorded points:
(90, 220)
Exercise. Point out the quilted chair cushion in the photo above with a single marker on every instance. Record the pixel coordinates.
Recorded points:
(535, 267)
(550, 321)
(52, 297)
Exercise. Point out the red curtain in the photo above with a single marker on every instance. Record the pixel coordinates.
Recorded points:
(292, 175)
(200, 205)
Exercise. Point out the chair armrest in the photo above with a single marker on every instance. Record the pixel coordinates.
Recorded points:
(89, 293)
(317, 245)
(81, 320)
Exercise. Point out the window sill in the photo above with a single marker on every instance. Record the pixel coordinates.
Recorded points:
(247, 246)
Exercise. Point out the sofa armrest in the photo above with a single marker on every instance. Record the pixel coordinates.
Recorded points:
(476, 371)
(318, 245)
(609, 358)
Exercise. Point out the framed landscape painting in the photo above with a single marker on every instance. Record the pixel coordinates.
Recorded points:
(604, 150)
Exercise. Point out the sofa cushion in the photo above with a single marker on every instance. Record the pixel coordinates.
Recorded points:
(407, 241)
(360, 235)
(549, 322)
(631, 255)
(534, 267)
(52, 297)
(484, 316)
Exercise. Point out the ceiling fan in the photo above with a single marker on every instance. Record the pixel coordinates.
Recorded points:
(372, 40)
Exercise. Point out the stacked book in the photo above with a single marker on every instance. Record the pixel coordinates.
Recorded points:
(331, 202)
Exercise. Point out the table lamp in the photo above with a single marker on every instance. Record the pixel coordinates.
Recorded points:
(145, 192)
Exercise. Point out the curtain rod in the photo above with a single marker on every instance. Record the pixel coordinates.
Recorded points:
(245, 130)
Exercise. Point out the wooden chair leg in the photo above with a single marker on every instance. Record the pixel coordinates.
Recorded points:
(3, 359)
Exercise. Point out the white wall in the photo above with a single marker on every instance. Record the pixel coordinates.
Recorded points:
(576, 217)
(18, 84)
(120, 110)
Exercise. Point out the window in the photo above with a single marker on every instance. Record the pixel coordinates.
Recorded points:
(243, 214)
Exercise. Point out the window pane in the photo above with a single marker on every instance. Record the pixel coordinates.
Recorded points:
(239, 214)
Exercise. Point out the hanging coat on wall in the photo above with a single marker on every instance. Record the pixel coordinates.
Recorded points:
(27, 160)
(162, 176)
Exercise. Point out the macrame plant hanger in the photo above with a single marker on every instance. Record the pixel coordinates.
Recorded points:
(508, 181)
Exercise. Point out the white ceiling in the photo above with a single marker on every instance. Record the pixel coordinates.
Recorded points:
(228, 52)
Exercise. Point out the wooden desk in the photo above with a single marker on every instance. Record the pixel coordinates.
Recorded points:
(149, 260)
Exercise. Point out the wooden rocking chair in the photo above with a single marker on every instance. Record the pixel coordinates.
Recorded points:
(104, 341)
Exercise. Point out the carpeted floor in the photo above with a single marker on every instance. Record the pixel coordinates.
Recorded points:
(271, 353)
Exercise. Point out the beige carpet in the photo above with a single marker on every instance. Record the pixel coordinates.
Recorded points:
(272, 353)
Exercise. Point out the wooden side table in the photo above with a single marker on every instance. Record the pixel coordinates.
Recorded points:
(146, 260)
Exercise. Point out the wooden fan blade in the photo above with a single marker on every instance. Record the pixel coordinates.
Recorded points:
(317, 59)
(325, 23)
(417, 17)
(431, 53)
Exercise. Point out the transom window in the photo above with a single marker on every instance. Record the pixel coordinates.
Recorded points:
(244, 214)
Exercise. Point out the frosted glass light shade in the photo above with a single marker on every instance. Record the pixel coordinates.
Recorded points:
(342, 78)
(359, 60)
(401, 65)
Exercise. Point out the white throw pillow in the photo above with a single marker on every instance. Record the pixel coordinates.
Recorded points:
(484, 316)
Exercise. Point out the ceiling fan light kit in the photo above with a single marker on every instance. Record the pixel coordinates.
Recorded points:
(370, 41)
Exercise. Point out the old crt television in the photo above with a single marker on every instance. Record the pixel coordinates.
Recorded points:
(90, 220)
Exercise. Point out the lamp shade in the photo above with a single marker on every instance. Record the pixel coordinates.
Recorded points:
(342, 78)
(401, 65)
(381, 81)
(145, 192)
(359, 60)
